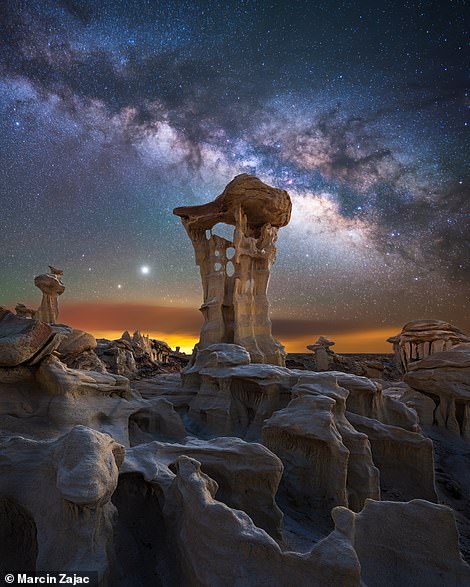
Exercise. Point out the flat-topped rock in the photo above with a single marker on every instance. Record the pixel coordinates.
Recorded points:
(422, 338)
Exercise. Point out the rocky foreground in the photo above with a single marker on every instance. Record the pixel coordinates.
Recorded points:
(236, 473)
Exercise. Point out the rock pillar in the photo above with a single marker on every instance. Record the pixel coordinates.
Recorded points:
(235, 273)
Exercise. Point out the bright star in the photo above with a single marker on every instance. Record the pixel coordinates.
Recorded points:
(145, 269)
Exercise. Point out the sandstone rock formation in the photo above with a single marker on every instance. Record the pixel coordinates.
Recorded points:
(52, 287)
(235, 273)
(205, 532)
(323, 354)
(422, 338)
(247, 474)
(24, 341)
(24, 312)
(55, 500)
(180, 510)
(77, 350)
(444, 378)
(155, 351)
(386, 537)
(117, 356)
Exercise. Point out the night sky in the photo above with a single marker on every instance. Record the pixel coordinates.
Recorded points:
(112, 113)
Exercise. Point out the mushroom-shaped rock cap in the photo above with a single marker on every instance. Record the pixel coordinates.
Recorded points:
(49, 284)
(429, 330)
(261, 203)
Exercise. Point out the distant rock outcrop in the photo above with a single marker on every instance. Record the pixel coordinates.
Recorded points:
(444, 378)
(24, 312)
(421, 338)
(322, 352)
(52, 287)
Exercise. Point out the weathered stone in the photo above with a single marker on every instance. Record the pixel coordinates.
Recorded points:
(422, 338)
(235, 273)
(24, 341)
(59, 488)
(52, 287)
(76, 342)
(390, 541)
(24, 312)
(445, 378)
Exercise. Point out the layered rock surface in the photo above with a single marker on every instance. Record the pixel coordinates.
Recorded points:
(422, 338)
(200, 512)
(444, 378)
(52, 287)
(235, 273)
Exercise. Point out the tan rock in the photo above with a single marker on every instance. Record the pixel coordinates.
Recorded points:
(235, 273)
(362, 478)
(52, 487)
(76, 342)
(422, 338)
(24, 341)
(445, 378)
(52, 287)
(24, 312)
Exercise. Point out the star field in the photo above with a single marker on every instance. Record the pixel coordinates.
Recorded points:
(113, 113)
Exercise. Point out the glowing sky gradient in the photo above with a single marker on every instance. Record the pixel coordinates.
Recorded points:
(113, 113)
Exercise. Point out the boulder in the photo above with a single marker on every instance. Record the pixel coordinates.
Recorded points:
(24, 341)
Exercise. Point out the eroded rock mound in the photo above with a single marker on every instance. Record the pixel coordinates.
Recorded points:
(61, 485)
(24, 341)
(421, 338)
(445, 379)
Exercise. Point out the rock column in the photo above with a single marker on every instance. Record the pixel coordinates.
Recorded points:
(52, 287)
(235, 273)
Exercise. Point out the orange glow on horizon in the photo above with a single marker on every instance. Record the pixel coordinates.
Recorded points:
(185, 342)
(363, 341)
(179, 326)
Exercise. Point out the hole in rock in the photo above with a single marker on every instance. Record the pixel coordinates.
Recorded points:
(145, 426)
(18, 539)
(217, 266)
(230, 269)
(230, 252)
(143, 544)
(208, 234)
(217, 253)
(223, 230)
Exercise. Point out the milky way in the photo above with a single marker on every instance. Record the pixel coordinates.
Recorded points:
(113, 113)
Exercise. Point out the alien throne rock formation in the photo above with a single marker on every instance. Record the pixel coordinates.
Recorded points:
(235, 274)
(52, 287)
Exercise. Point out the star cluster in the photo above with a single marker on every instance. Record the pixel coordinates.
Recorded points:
(112, 113)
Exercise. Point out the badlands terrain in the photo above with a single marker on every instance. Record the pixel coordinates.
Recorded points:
(142, 466)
